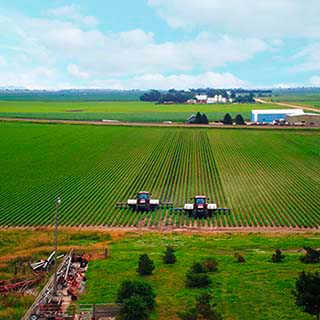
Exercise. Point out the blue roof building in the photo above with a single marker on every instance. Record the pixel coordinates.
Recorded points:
(273, 114)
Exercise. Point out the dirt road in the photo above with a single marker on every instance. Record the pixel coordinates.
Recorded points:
(288, 105)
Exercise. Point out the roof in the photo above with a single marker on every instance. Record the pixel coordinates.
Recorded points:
(278, 111)
(201, 97)
(304, 114)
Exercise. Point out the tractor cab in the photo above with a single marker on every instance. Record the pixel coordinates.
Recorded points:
(200, 208)
(143, 195)
(200, 205)
(143, 201)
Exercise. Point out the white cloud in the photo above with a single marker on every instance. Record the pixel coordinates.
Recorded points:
(249, 17)
(74, 70)
(96, 53)
(71, 12)
(177, 81)
(37, 78)
(315, 81)
(311, 59)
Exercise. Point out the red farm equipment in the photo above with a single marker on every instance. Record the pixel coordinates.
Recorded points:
(144, 202)
(201, 208)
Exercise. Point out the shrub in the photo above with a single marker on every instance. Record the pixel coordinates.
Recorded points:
(277, 256)
(311, 256)
(145, 265)
(198, 268)
(130, 288)
(169, 256)
(197, 280)
(307, 292)
(239, 258)
(134, 308)
(197, 277)
(203, 309)
(210, 264)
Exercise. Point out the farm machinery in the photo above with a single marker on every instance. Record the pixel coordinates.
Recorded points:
(144, 202)
(201, 208)
(54, 299)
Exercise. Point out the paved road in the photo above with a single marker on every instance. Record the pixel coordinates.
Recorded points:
(148, 124)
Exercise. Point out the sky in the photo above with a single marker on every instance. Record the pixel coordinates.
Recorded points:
(162, 44)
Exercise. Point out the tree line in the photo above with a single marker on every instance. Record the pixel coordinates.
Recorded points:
(182, 96)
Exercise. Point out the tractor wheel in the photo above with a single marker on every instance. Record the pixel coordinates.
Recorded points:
(83, 263)
(59, 286)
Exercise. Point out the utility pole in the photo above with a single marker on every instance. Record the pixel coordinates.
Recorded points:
(58, 201)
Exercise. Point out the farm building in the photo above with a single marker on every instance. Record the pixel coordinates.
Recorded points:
(309, 119)
(191, 119)
(273, 114)
(201, 98)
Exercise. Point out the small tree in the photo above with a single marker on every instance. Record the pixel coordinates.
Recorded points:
(203, 309)
(130, 288)
(169, 256)
(311, 256)
(239, 258)
(134, 308)
(239, 120)
(210, 264)
(198, 118)
(277, 256)
(227, 119)
(307, 292)
(204, 119)
(198, 268)
(197, 277)
(145, 265)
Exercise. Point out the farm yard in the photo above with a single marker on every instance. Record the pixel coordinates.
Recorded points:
(268, 178)
(130, 111)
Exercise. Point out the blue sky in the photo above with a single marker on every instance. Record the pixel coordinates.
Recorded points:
(144, 44)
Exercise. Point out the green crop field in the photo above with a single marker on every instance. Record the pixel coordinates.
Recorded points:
(122, 111)
(306, 100)
(268, 178)
(256, 289)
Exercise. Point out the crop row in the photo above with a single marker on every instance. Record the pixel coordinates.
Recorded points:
(264, 184)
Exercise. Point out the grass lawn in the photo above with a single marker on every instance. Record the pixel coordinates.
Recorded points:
(257, 289)
(122, 111)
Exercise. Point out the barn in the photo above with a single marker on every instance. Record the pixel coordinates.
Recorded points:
(308, 119)
(273, 114)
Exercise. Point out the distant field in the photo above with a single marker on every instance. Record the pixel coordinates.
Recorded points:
(122, 111)
(267, 177)
(307, 100)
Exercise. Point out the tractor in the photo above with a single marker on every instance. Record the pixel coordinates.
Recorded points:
(200, 208)
(144, 203)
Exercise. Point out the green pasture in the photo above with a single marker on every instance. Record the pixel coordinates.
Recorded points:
(122, 111)
(307, 100)
(268, 178)
(256, 289)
